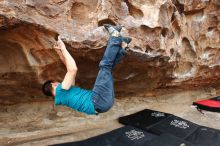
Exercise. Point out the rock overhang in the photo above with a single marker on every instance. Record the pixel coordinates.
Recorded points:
(175, 44)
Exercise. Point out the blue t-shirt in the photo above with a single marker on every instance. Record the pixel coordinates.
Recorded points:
(75, 98)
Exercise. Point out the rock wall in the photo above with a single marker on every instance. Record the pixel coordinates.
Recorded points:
(176, 43)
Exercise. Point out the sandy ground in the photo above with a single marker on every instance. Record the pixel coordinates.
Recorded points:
(37, 123)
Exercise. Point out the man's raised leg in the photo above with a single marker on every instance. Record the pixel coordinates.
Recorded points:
(113, 47)
(119, 57)
(121, 52)
(103, 91)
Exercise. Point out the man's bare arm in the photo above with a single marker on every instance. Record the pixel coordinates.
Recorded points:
(70, 63)
(60, 55)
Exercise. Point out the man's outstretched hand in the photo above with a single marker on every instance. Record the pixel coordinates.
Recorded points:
(59, 45)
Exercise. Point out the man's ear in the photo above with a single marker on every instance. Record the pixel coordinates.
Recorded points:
(53, 91)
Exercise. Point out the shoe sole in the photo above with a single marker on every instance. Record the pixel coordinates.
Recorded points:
(118, 27)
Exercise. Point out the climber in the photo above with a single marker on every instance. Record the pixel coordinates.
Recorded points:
(101, 98)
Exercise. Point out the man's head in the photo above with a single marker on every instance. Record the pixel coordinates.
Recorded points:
(49, 87)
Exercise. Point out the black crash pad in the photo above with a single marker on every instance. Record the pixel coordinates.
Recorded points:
(205, 136)
(144, 119)
(125, 136)
(173, 125)
(169, 140)
(159, 123)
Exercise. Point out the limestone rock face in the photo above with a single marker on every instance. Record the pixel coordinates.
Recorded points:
(176, 43)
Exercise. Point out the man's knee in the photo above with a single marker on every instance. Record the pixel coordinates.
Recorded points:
(105, 107)
(104, 65)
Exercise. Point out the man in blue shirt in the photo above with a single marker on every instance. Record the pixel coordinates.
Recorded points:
(101, 98)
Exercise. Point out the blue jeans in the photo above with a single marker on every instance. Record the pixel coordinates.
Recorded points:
(103, 90)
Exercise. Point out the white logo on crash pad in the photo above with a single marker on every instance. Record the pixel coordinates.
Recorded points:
(179, 124)
(157, 114)
(134, 135)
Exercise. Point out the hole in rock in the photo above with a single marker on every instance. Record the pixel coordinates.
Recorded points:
(164, 32)
(165, 15)
(176, 28)
(82, 10)
(173, 18)
(211, 28)
(171, 51)
(134, 11)
(183, 69)
(106, 21)
(189, 53)
(179, 6)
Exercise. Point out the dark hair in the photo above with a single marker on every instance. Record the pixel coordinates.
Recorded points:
(47, 88)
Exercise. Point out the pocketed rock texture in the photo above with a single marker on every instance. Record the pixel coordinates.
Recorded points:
(175, 43)
(175, 47)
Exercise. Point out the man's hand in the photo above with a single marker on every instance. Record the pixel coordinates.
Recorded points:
(59, 45)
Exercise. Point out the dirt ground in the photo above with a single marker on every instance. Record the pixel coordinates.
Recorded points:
(38, 123)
